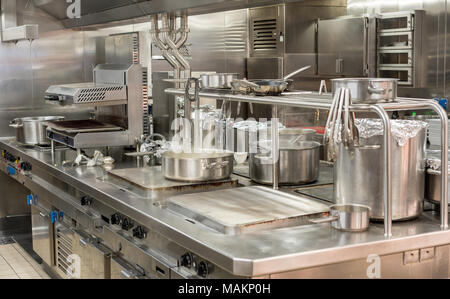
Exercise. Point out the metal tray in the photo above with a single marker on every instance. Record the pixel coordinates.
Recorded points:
(247, 209)
(82, 126)
(152, 178)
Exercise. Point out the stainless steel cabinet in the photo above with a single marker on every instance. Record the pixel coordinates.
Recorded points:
(42, 233)
(341, 47)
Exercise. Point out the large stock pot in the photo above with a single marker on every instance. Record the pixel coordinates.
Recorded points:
(299, 162)
(32, 130)
(358, 175)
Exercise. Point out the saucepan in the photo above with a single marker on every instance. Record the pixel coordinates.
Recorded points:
(347, 217)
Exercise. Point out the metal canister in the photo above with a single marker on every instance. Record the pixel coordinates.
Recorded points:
(358, 175)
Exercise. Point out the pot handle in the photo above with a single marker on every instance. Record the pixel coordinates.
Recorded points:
(15, 124)
(369, 147)
(215, 165)
(324, 220)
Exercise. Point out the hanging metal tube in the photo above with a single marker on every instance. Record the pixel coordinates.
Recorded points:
(387, 170)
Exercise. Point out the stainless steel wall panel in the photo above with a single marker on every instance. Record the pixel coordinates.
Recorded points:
(434, 51)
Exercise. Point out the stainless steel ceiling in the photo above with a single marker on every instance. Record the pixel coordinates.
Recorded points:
(105, 11)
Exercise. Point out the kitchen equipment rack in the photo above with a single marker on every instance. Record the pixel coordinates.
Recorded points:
(323, 102)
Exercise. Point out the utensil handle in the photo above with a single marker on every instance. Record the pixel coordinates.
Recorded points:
(297, 72)
(372, 90)
(15, 124)
(324, 220)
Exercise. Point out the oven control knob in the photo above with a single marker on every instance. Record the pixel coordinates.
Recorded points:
(86, 200)
(127, 224)
(139, 232)
(203, 269)
(116, 219)
(186, 260)
(25, 166)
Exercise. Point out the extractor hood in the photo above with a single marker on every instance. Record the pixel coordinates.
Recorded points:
(105, 11)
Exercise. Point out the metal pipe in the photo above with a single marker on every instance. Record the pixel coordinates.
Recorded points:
(275, 148)
(160, 44)
(387, 170)
(444, 162)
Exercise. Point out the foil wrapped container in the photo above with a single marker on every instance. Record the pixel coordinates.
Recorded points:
(401, 130)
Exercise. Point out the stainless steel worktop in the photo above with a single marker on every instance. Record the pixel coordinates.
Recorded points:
(251, 254)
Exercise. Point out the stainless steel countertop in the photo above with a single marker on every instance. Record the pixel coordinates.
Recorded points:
(251, 254)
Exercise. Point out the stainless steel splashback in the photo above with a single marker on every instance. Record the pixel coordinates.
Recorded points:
(27, 69)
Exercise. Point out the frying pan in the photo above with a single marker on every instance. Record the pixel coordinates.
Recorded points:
(267, 86)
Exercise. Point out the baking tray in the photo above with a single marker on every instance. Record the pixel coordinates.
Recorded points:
(82, 126)
(247, 209)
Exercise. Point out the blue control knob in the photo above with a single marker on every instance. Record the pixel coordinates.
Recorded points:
(53, 216)
(11, 170)
(31, 199)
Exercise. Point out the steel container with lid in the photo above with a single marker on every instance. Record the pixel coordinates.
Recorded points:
(358, 177)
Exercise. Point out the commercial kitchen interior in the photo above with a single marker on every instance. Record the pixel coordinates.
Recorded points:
(90, 90)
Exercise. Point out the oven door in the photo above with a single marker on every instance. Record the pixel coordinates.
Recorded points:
(42, 234)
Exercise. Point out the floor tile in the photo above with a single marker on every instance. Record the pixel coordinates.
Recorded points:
(29, 276)
(23, 269)
(5, 272)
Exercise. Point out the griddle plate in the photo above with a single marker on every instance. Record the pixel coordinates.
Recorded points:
(81, 126)
(152, 178)
(246, 209)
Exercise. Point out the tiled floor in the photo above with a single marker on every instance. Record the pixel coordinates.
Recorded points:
(15, 263)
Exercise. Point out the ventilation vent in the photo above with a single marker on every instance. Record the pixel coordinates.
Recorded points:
(100, 94)
(264, 35)
(64, 251)
(145, 101)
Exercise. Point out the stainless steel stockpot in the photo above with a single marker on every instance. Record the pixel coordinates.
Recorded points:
(358, 176)
(197, 167)
(219, 80)
(32, 130)
(299, 163)
(368, 90)
(349, 218)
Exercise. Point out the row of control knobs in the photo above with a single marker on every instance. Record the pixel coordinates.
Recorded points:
(127, 224)
(119, 219)
(202, 268)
